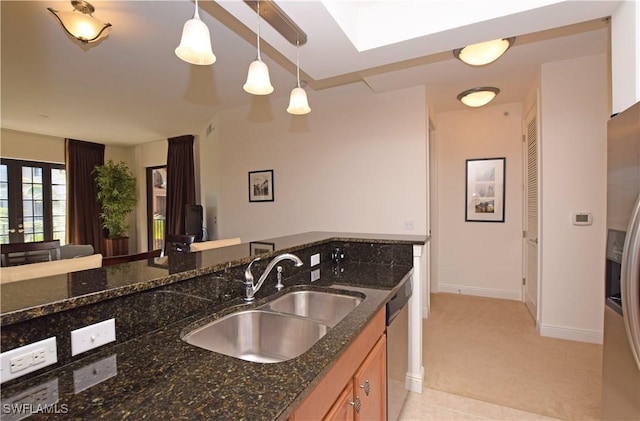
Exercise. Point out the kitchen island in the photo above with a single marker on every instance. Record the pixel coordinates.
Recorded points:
(150, 373)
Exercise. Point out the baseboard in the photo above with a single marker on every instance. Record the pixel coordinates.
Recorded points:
(571, 334)
(413, 382)
(480, 292)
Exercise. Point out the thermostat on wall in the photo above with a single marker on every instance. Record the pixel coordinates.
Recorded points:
(581, 218)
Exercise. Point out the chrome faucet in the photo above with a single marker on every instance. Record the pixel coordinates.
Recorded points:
(249, 287)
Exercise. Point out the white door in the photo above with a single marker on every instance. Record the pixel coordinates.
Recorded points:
(531, 213)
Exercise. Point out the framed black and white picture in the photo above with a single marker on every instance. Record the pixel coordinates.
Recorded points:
(484, 191)
(258, 247)
(261, 186)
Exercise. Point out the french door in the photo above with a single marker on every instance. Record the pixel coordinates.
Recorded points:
(33, 201)
(156, 206)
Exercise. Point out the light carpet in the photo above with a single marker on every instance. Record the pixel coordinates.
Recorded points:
(488, 349)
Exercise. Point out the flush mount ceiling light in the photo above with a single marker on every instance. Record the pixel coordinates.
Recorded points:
(195, 44)
(298, 104)
(484, 52)
(80, 24)
(258, 82)
(477, 97)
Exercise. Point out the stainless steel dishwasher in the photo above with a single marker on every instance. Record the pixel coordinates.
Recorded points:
(398, 349)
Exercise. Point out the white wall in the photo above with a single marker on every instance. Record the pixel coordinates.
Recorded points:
(479, 258)
(574, 110)
(625, 55)
(355, 163)
(152, 154)
(31, 146)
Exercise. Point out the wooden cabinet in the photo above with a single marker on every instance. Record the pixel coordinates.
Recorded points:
(343, 408)
(370, 384)
(355, 387)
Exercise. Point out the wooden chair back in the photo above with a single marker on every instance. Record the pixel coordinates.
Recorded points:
(22, 253)
(206, 245)
(147, 255)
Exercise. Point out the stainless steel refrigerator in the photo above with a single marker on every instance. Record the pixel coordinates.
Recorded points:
(621, 351)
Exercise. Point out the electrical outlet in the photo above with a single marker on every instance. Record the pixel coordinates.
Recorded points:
(409, 225)
(92, 336)
(315, 275)
(26, 359)
(315, 259)
(92, 374)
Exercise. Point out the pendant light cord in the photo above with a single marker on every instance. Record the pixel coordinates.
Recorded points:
(258, 11)
(298, 60)
(196, 15)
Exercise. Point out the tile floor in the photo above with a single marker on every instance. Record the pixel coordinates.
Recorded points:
(434, 405)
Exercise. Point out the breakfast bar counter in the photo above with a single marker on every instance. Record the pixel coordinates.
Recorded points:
(151, 373)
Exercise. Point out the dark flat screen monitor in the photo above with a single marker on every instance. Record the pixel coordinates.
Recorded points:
(193, 221)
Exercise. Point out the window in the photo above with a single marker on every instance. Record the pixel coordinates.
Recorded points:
(33, 201)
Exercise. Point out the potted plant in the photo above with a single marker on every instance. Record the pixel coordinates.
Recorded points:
(117, 198)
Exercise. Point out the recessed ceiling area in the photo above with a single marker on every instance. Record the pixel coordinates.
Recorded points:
(130, 87)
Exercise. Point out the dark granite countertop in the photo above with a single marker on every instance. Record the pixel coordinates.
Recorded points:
(29, 299)
(157, 376)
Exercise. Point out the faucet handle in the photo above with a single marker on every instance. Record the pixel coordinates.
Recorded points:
(248, 276)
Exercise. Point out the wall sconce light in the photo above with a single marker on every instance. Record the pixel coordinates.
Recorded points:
(195, 44)
(483, 52)
(298, 103)
(80, 24)
(258, 82)
(477, 97)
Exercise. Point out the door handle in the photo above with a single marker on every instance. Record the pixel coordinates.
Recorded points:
(630, 282)
(356, 405)
(366, 387)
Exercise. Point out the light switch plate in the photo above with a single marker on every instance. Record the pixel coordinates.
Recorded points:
(93, 336)
(28, 358)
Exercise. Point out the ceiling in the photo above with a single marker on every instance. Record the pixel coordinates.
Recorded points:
(130, 87)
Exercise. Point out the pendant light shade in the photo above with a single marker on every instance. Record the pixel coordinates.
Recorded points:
(80, 24)
(258, 81)
(483, 52)
(298, 104)
(195, 44)
(477, 97)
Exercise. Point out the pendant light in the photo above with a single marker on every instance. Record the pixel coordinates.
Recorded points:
(195, 44)
(483, 52)
(298, 104)
(477, 97)
(80, 24)
(258, 82)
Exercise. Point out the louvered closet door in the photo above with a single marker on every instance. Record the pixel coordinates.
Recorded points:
(531, 215)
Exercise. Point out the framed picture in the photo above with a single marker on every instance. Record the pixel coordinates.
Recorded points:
(257, 247)
(261, 186)
(484, 192)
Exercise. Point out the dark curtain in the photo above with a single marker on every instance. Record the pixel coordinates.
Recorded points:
(181, 183)
(85, 225)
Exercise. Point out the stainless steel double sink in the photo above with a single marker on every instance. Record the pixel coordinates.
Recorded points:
(277, 331)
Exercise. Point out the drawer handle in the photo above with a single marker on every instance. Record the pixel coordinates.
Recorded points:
(366, 387)
(356, 405)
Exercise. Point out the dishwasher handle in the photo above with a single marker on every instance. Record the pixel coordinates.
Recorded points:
(397, 303)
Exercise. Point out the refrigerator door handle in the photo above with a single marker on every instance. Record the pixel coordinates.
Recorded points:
(630, 282)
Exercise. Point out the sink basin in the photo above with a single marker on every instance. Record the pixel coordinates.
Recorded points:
(325, 307)
(258, 336)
